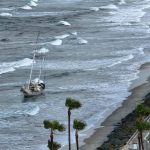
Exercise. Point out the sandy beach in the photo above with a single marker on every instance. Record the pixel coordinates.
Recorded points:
(139, 88)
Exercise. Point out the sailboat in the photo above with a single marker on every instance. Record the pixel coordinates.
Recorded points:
(35, 86)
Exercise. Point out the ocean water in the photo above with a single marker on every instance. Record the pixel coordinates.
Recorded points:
(93, 49)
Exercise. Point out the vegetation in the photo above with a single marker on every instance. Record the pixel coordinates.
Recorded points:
(141, 125)
(53, 125)
(55, 145)
(78, 125)
(126, 128)
(71, 104)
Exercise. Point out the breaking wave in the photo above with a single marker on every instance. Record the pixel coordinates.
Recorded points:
(20, 109)
(128, 14)
(121, 2)
(6, 14)
(94, 8)
(65, 23)
(32, 3)
(26, 7)
(111, 6)
(88, 64)
(62, 36)
(11, 66)
(56, 42)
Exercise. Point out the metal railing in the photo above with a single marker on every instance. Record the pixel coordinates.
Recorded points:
(134, 136)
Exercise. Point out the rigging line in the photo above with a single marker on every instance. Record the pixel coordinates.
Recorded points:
(44, 76)
(31, 72)
(41, 68)
(44, 68)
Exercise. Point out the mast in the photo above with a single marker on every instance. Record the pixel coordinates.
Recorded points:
(41, 67)
(31, 70)
(30, 77)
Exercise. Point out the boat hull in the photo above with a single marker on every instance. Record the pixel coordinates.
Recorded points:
(30, 93)
(26, 95)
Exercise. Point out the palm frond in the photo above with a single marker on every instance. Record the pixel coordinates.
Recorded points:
(61, 128)
(79, 124)
(47, 124)
(142, 125)
(54, 125)
(72, 103)
(142, 110)
(56, 145)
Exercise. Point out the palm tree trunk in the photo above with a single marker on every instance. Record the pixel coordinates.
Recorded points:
(141, 136)
(139, 141)
(52, 139)
(69, 134)
(77, 141)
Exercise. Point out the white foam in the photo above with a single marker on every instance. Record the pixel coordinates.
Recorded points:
(28, 109)
(64, 23)
(19, 110)
(43, 50)
(136, 51)
(32, 3)
(35, 0)
(89, 87)
(141, 50)
(74, 33)
(56, 42)
(82, 41)
(91, 69)
(121, 59)
(7, 9)
(11, 66)
(33, 110)
(94, 8)
(112, 12)
(124, 16)
(26, 7)
(75, 65)
(87, 64)
(11, 69)
(128, 14)
(6, 14)
(122, 2)
(62, 36)
(72, 65)
(128, 77)
(111, 6)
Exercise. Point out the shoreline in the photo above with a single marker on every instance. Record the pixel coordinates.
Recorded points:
(139, 88)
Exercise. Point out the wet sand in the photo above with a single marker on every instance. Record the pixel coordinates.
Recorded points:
(139, 88)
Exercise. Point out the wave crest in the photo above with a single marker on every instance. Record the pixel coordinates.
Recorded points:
(11, 66)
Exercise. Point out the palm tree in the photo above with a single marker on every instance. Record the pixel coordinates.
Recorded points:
(142, 111)
(53, 125)
(71, 104)
(142, 125)
(78, 125)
